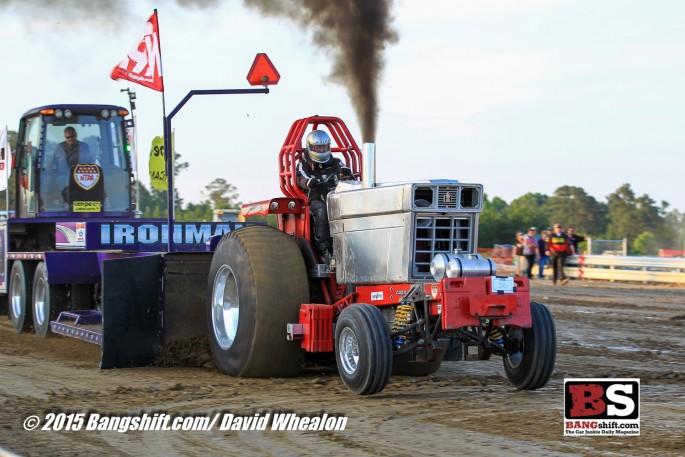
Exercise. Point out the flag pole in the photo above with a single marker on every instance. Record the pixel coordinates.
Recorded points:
(168, 153)
(6, 177)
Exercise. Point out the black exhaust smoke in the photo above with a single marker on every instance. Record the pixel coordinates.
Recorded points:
(355, 33)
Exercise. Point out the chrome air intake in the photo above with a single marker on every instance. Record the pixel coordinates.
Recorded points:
(460, 265)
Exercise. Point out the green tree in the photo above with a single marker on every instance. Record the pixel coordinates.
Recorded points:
(179, 166)
(494, 227)
(572, 206)
(528, 210)
(645, 244)
(12, 138)
(629, 215)
(221, 195)
(674, 228)
(153, 203)
(195, 212)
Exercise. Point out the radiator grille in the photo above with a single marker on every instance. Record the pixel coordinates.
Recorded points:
(438, 234)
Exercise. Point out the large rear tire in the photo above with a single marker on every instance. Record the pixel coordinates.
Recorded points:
(47, 300)
(363, 349)
(532, 367)
(20, 285)
(257, 282)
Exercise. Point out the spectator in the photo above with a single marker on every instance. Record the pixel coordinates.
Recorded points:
(518, 254)
(573, 240)
(530, 251)
(543, 250)
(558, 246)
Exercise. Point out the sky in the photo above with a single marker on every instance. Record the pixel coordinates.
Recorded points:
(518, 95)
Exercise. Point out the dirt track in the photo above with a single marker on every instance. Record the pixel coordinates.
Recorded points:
(466, 408)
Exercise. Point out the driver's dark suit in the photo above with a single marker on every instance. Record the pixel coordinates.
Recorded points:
(316, 180)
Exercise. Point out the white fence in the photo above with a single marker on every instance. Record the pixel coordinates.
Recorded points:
(620, 268)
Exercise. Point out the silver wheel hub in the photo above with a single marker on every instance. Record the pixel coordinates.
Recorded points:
(39, 304)
(225, 307)
(16, 296)
(348, 351)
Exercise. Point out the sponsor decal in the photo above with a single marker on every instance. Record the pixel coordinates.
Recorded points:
(375, 296)
(434, 291)
(123, 235)
(70, 235)
(86, 176)
(604, 406)
(86, 207)
(80, 232)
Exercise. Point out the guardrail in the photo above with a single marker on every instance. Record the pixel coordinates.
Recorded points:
(626, 268)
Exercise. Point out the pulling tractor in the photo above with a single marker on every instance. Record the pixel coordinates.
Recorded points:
(406, 290)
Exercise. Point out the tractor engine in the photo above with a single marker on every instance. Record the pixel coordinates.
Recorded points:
(391, 233)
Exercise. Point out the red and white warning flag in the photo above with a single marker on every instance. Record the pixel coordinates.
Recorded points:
(143, 65)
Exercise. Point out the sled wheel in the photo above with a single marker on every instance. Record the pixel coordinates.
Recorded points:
(48, 300)
(257, 282)
(21, 278)
(532, 367)
(363, 349)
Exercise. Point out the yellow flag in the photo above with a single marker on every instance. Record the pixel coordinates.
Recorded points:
(158, 164)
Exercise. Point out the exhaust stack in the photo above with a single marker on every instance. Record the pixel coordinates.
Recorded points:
(369, 165)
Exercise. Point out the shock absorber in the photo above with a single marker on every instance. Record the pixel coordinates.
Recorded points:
(402, 320)
(492, 333)
(496, 336)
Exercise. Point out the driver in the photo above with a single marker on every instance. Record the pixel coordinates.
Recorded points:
(71, 150)
(68, 154)
(318, 173)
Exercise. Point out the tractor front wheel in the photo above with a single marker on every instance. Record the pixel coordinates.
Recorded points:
(257, 282)
(363, 349)
(532, 366)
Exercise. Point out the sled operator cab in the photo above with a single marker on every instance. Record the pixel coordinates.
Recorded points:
(73, 161)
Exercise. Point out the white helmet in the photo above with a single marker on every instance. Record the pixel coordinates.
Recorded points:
(319, 146)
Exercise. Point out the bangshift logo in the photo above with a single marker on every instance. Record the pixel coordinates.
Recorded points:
(605, 406)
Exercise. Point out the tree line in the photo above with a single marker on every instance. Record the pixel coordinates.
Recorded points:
(218, 194)
(648, 226)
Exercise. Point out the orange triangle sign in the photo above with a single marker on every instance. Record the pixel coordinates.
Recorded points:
(263, 72)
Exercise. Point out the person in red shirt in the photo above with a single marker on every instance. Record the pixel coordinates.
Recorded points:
(558, 246)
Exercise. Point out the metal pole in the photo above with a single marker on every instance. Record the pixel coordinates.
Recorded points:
(135, 151)
(167, 143)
